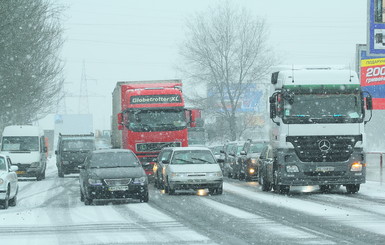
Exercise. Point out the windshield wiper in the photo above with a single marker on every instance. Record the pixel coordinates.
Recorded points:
(186, 161)
(203, 160)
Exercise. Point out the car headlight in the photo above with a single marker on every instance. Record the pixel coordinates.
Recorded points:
(139, 180)
(1, 181)
(95, 182)
(251, 170)
(356, 167)
(215, 174)
(178, 174)
(35, 164)
(253, 160)
(292, 169)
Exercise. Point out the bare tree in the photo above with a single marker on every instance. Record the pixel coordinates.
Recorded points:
(226, 49)
(30, 69)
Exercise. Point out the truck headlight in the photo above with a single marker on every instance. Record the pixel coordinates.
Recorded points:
(292, 169)
(251, 170)
(95, 182)
(139, 180)
(35, 164)
(356, 167)
(253, 160)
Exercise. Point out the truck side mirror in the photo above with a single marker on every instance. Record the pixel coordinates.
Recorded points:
(120, 121)
(369, 103)
(273, 111)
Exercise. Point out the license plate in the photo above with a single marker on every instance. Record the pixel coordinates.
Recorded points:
(324, 169)
(118, 188)
(20, 172)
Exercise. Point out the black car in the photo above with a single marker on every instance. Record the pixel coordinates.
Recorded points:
(112, 174)
(247, 167)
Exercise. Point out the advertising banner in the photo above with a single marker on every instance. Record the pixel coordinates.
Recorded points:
(376, 27)
(372, 77)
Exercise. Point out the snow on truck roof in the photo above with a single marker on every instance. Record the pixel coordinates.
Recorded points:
(314, 77)
(22, 130)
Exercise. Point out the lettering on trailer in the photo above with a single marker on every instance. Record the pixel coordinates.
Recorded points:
(155, 99)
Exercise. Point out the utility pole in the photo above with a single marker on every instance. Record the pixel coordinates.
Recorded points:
(83, 95)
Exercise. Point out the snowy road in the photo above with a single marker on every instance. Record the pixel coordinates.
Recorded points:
(50, 212)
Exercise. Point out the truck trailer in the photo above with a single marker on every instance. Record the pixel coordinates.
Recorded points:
(147, 116)
(317, 132)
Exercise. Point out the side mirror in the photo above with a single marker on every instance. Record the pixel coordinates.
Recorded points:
(56, 152)
(81, 166)
(14, 168)
(369, 103)
(165, 161)
(242, 153)
(273, 111)
(220, 160)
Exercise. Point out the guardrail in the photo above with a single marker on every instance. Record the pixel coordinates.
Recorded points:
(374, 167)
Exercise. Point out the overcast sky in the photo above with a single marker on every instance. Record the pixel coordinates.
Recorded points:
(124, 40)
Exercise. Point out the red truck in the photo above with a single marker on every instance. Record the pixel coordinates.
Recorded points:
(147, 116)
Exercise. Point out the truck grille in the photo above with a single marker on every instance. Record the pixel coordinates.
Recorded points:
(155, 147)
(324, 148)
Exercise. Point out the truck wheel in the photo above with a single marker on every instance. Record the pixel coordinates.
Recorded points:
(81, 196)
(351, 189)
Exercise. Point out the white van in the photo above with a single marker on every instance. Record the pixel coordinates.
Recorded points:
(25, 145)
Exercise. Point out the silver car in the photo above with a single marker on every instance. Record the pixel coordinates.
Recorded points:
(190, 168)
(8, 182)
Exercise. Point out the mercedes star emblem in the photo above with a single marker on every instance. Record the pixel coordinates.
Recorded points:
(324, 145)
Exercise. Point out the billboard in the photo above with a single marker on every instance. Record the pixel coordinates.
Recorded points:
(250, 100)
(376, 27)
(372, 76)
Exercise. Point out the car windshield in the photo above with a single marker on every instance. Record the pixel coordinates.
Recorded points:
(257, 147)
(113, 160)
(2, 164)
(193, 157)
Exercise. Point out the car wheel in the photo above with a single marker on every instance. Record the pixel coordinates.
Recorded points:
(87, 201)
(144, 198)
(13, 201)
(81, 196)
(353, 188)
(6, 200)
(219, 190)
(282, 189)
(60, 173)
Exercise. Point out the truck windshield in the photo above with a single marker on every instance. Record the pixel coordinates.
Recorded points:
(323, 108)
(20, 143)
(77, 145)
(156, 120)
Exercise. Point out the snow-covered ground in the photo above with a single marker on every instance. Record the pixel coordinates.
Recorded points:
(50, 212)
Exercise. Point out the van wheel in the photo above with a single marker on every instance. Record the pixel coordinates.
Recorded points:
(60, 173)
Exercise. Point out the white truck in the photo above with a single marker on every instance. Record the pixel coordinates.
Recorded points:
(317, 131)
(26, 146)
